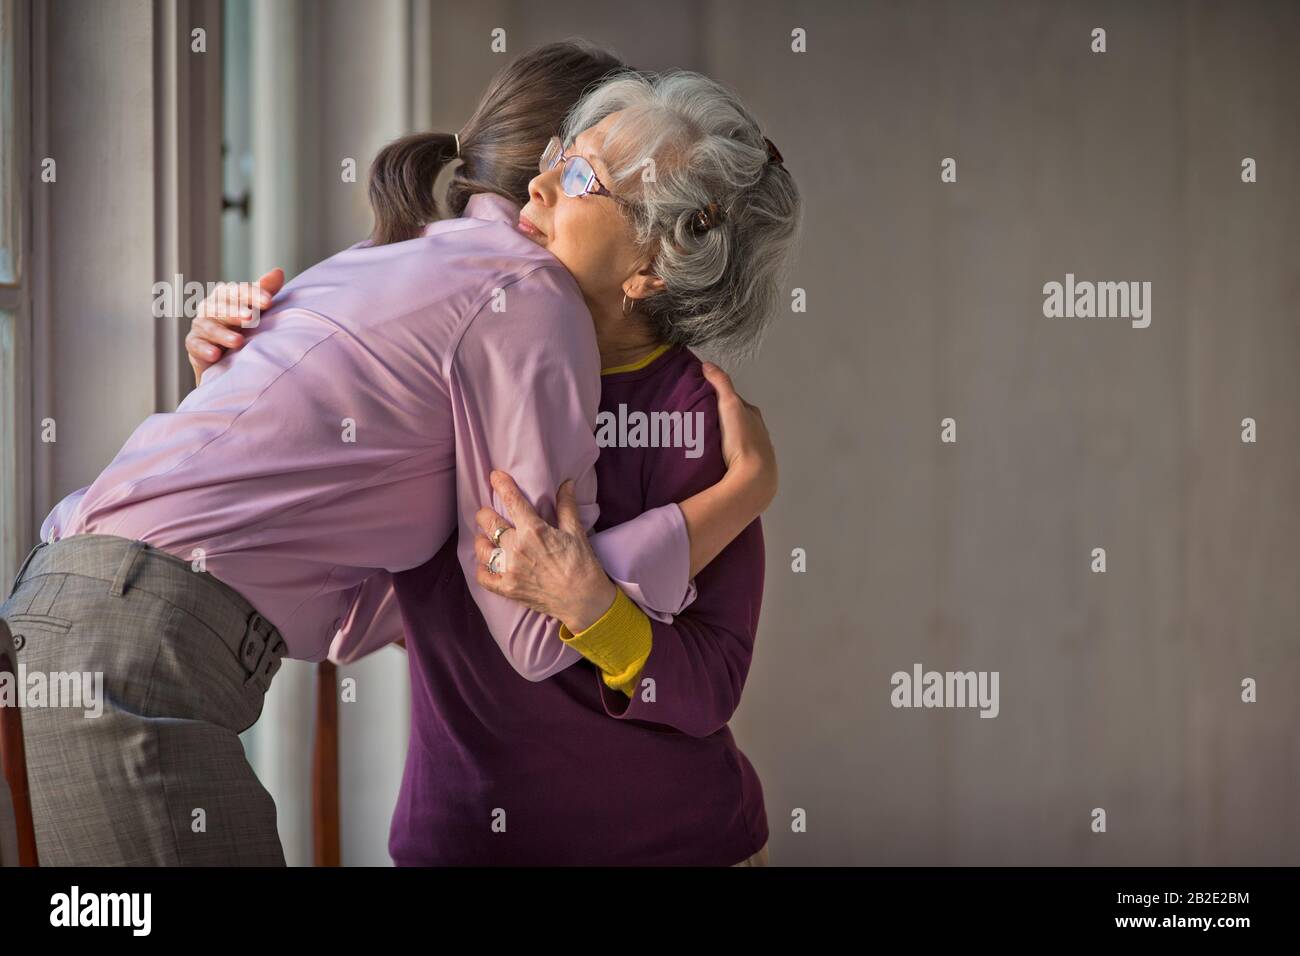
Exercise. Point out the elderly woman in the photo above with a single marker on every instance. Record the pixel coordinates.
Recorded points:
(626, 757)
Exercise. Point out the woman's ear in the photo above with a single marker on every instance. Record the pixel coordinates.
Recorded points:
(644, 283)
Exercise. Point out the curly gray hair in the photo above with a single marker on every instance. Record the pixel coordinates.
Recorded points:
(718, 210)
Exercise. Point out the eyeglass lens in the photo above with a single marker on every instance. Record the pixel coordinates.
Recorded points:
(576, 176)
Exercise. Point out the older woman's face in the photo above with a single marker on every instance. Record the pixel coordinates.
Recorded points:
(588, 234)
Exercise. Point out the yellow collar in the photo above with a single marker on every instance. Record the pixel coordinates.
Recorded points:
(639, 364)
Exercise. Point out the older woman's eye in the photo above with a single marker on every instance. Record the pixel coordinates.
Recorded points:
(577, 175)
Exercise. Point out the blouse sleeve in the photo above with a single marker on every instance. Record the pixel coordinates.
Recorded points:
(524, 382)
(56, 522)
(373, 620)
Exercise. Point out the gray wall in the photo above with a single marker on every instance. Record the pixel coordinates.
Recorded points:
(1118, 690)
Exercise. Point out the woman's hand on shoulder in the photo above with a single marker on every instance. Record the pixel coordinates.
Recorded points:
(747, 448)
(224, 316)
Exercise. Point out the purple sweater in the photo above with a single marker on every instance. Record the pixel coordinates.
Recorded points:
(501, 770)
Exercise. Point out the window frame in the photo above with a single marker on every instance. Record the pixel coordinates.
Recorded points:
(17, 534)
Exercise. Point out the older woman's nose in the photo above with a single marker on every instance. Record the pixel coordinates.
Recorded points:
(542, 187)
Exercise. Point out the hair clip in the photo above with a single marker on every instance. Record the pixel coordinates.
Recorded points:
(706, 219)
(773, 154)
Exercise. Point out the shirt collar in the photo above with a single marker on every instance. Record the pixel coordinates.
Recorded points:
(492, 207)
(488, 206)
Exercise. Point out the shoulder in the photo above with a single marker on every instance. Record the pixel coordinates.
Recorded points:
(543, 286)
(506, 272)
(468, 264)
(500, 256)
(693, 388)
(680, 386)
(529, 321)
(531, 300)
(692, 460)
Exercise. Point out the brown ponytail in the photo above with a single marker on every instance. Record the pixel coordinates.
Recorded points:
(401, 185)
(523, 107)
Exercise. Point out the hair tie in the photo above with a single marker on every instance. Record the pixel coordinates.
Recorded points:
(456, 137)
(706, 218)
(773, 154)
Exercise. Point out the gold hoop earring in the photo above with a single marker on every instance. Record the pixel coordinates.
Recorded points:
(628, 306)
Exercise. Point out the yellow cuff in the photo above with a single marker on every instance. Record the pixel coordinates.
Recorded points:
(619, 643)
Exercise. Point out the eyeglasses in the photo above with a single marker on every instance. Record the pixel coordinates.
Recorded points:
(577, 178)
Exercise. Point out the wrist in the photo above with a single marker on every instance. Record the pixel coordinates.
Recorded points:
(753, 482)
(591, 604)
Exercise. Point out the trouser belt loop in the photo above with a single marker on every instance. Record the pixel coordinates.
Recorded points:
(124, 569)
(261, 651)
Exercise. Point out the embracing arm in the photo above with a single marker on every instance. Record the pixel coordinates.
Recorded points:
(222, 323)
(716, 516)
(696, 666)
(525, 389)
(527, 403)
(698, 661)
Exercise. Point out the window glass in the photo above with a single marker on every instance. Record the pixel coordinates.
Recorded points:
(8, 195)
(9, 531)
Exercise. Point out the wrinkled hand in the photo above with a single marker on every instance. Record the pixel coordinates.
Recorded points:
(552, 570)
(223, 316)
(747, 448)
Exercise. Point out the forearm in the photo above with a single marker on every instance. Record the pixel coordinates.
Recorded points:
(700, 661)
(649, 559)
(618, 643)
(717, 515)
(698, 664)
(713, 519)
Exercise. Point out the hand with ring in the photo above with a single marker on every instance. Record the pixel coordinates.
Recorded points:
(496, 562)
(552, 570)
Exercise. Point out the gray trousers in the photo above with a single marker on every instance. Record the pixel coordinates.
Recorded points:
(158, 776)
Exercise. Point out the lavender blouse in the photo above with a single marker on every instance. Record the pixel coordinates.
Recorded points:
(354, 433)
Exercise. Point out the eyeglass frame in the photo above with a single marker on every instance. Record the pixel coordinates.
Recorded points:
(594, 186)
